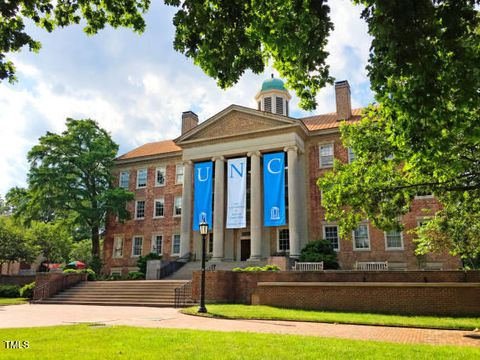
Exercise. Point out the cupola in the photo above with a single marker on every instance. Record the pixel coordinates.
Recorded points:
(273, 97)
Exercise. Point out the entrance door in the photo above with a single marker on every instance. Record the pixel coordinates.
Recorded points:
(244, 249)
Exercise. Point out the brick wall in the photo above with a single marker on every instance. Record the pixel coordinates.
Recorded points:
(16, 279)
(238, 287)
(451, 299)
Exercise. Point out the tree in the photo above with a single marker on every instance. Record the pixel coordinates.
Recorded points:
(71, 176)
(224, 38)
(318, 251)
(53, 239)
(14, 244)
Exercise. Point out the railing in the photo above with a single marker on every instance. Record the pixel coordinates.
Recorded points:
(308, 266)
(56, 284)
(372, 266)
(211, 267)
(183, 295)
(172, 266)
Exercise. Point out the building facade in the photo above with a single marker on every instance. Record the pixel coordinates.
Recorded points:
(160, 174)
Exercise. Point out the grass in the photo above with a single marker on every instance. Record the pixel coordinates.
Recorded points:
(122, 342)
(273, 313)
(13, 301)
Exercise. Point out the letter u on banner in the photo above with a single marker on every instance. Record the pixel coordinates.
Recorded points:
(274, 189)
(202, 199)
(237, 193)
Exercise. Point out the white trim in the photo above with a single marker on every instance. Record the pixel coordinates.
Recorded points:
(162, 199)
(133, 245)
(146, 180)
(174, 205)
(387, 248)
(320, 145)
(420, 197)
(154, 242)
(278, 239)
(176, 173)
(144, 208)
(173, 242)
(164, 167)
(114, 248)
(338, 236)
(368, 237)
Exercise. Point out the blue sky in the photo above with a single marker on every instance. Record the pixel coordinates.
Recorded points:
(136, 86)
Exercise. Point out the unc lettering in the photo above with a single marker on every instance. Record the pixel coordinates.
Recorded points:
(234, 168)
(269, 166)
(200, 174)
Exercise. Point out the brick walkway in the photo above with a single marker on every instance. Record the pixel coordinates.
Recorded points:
(48, 315)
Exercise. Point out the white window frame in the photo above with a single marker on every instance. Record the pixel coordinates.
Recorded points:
(173, 244)
(320, 146)
(350, 154)
(368, 237)
(278, 240)
(177, 166)
(160, 199)
(133, 245)
(138, 177)
(136, 208)
(154, 243)
(114, 252)
(175, 206)
(420, 197)
(389, 248)
(338, 236)
(164, 168)
(120, 179)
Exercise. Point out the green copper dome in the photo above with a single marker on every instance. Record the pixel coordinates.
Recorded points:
(273, 84)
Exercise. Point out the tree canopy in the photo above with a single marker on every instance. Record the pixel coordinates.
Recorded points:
(14, 243)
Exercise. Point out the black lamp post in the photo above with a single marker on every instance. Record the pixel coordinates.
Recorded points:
(203, 232)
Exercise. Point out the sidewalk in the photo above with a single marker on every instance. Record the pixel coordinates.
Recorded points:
(49, 315)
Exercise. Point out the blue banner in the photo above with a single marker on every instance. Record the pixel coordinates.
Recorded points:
(202, 200)
(274, 189)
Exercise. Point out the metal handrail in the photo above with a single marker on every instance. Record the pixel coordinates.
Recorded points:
(211, 267)
(172, 266)
(54, 286)
(183, 295)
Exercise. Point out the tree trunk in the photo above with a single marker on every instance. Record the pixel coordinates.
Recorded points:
(95, 241)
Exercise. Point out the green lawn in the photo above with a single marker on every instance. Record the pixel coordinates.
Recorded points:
(13, 301)
(273, 313)
(121, 342)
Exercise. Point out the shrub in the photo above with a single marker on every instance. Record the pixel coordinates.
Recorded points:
(114, 277)
(142, 262)
(71, 271)
(320, 250)
(258, 268)
(9, 291)
(27, 290)
(91, 276)
(136, 275)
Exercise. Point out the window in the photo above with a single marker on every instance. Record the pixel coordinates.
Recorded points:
(330, 233)
(360, 237)
(160, 174)
(141, 178)
(176, 244)
(279, 105)
(210, 243)
(393, 240)
(157, 244)
(139, 209)
(117, 247)
(159, 209)
(177, 209)
(351, 155)
(179, 174)
(283, 240)
(137, 245)
(124, 177)
(424, 195)
(326, 155)
(267, 104)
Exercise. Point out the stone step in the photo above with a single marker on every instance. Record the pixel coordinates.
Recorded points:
(114, 296)
(107, 303)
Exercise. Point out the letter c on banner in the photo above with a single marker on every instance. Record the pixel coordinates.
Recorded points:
(200, 174)
(269, 166)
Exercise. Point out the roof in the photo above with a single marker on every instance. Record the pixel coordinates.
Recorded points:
(329, 120)
(153, 148)
(273, 84)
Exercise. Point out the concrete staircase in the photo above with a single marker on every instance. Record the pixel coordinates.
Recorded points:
(185, 273)
(157, 293)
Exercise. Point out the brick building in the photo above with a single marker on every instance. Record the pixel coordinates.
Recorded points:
(160, 175)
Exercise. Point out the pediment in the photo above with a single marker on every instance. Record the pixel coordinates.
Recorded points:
(236, 120)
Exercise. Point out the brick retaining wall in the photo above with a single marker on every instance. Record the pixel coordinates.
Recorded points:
(16, 279)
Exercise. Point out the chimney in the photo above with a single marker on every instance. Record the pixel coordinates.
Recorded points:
(342, 96)
(189, 121)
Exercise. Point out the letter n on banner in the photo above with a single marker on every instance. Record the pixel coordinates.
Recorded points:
(202, 198)
(237, 193)
(274, 189)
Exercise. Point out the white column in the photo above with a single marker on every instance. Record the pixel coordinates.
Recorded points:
(293, 201)
(186, 222)
(219, 209)
(255, 206)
